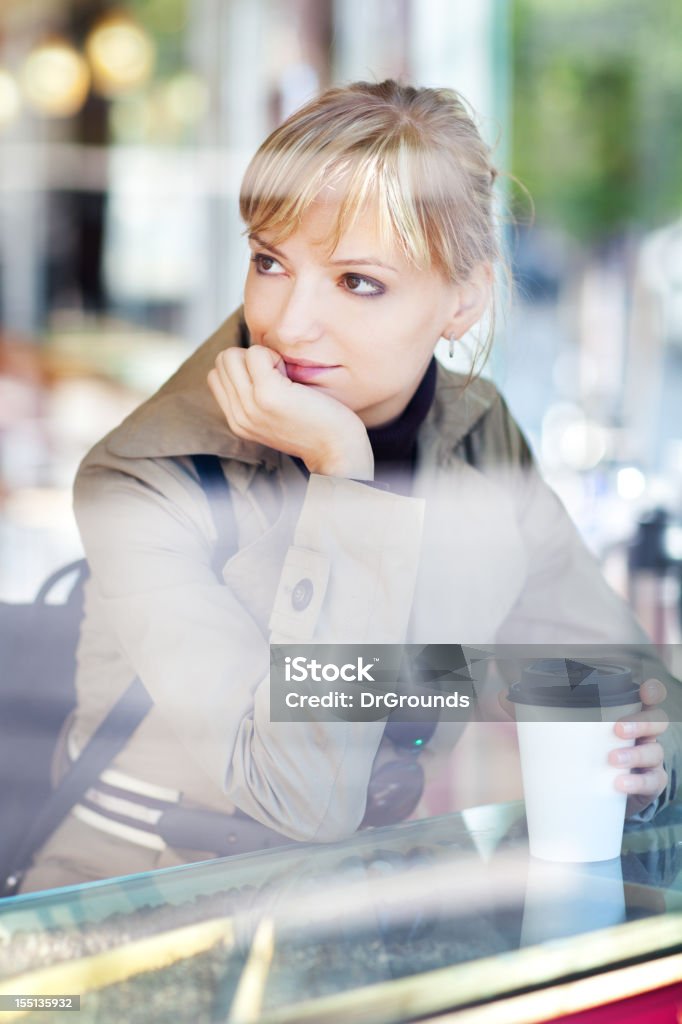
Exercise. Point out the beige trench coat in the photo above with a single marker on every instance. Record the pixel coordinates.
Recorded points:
(476, 555)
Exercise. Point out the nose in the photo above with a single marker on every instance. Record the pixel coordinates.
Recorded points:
(299, 321)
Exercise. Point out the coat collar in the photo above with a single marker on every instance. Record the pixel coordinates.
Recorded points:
(183, 418)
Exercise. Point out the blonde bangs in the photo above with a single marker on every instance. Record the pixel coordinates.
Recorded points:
(413, 156)
(390, 177)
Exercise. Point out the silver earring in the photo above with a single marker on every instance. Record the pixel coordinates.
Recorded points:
(451, 345)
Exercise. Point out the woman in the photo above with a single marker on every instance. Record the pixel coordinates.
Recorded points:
(378, 497)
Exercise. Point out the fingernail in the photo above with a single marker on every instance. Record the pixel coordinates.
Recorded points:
(651, 690)
(629, 728)
(629, 784)
(623, 757)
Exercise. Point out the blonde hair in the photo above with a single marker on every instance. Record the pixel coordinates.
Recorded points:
(415, 152)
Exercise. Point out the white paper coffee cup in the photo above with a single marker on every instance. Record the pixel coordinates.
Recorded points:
(573, 810)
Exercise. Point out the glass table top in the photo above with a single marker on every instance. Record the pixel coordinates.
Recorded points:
(393, 923)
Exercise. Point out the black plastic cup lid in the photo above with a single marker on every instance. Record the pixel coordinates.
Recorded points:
(563, 683)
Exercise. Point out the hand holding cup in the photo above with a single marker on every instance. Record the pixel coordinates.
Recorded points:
(570, 716)
(646, 778)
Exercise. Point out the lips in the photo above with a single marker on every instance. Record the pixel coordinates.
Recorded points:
(305, 362)
(303, 371)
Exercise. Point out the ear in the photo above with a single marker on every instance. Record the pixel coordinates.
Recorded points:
(472, 298)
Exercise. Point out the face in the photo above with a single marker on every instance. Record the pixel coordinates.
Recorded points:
(359, 324)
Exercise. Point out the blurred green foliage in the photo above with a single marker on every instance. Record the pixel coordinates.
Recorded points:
(161, 15)
(597, 112)
(167, 22)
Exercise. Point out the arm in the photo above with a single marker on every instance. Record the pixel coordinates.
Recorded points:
(147, 532)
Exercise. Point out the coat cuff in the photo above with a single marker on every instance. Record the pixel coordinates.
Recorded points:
(300, 594)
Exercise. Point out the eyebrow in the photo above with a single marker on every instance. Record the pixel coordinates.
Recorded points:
(347, 260)
(367, 261)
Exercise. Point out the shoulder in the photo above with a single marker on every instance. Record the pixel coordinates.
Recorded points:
(473, 415)
(112, 494)
(499, 436)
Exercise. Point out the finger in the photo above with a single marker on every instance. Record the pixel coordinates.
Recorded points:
(229, 402)
(218, 390)
(219, 393)
(647, 784)
(653, 692)
(231, 365)
(262, 360)
(237, 385)
(652, 723)
(267, 382)
(643, 755)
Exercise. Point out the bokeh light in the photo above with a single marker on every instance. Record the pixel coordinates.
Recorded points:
(571, 440)
(121, 55)
(630, 483)
(583, 445)
(55, 79)
(185, 97)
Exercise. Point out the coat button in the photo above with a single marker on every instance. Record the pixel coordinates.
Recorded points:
(302, 594)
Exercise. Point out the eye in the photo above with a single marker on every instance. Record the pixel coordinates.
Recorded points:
(362, 285)
(266, 264)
